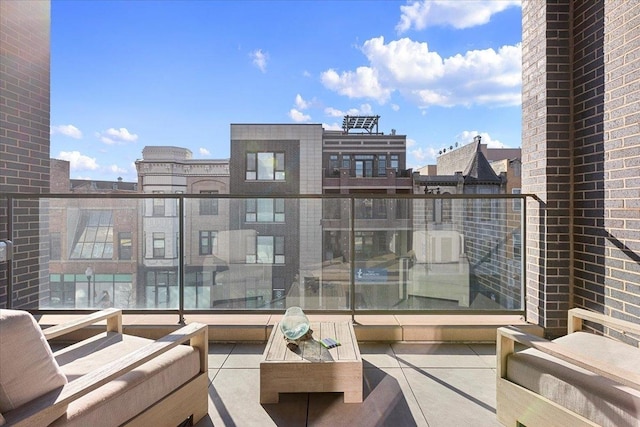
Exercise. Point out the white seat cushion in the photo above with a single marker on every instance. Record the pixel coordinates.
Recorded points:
(594, 397)
(127, 396)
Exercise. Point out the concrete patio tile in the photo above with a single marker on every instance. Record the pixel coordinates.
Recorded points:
(388, 401)
(244, 355)
(378, 355)
(218, 354)
(234, 400)
(437, 355)
(212, 374)
(486, 352)
(455, 397)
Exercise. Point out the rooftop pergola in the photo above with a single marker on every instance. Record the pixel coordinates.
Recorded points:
(367, 123)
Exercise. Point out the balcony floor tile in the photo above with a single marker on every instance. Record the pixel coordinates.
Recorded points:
(404, 384)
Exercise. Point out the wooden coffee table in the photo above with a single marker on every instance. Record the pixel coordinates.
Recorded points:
(312, 368)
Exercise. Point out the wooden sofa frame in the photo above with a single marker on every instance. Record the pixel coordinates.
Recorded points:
(516, 405)
(191, 398)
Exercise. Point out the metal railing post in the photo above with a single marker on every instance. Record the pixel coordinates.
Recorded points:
(181, 276)
(352, 259)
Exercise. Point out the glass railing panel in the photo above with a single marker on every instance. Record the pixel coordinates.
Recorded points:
(454, 254)
(325, 270)
(109, 252)
(220, 253)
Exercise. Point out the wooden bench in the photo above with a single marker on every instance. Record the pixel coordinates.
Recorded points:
(312, 368)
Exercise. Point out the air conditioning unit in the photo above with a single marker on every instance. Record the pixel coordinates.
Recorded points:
(438, 246)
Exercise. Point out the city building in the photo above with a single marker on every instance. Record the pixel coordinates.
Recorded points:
(92, 262)
(172, 170)
(277, 236)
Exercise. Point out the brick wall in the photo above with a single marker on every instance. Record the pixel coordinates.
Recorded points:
(588, 155)
(581, 157)
(24, 138)
(622, 159)
(546, 148)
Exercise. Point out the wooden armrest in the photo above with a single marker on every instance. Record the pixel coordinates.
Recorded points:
(561, 352)
(196, 333)
(112, 315)
(577, 315)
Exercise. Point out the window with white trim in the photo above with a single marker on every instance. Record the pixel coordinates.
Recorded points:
(265, 166)
(264, 210)
(265, 250)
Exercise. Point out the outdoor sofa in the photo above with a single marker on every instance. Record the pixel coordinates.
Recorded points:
(580, 379)
(110, 379)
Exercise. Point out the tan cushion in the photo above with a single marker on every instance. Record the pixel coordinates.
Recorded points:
(599, 399)
(122, 399)
(27, 366)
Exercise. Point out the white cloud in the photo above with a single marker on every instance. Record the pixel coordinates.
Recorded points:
(116, 136)
(204, 152)
(466, 137)
(78, 161)
(117, 169)
(259, 59)
(457, 14)
(477, 77)
(419, 157)
(410, 142)
(67, 130)
(362, 83)
(395, 107)
(333, 126)
(298, 116)
(365, 109)
(333, 112)
(301, 103)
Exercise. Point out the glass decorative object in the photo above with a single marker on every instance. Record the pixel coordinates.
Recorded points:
(295, 324)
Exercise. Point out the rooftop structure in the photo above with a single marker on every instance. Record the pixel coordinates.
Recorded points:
(367, 124)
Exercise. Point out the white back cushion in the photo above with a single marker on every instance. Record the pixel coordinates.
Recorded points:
(27, 366)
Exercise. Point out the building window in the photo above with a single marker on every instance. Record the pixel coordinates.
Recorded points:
(94, 236)
(333, 164)
(208, 205)
(395, 162)
(346, 161)
(197, 290)
(382, 165)
(161, 289)
(55, 247)
(124, 245)
(158, 205)
(516, 202)
(369, 244)
(264, 166)
(364, 165)
(371, 209)
(265, 250)
(264, 210)
(250, 245)
(208, 242)
(158, 245)
(62, 293)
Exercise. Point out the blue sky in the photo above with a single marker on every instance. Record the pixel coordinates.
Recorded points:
(126, 74)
